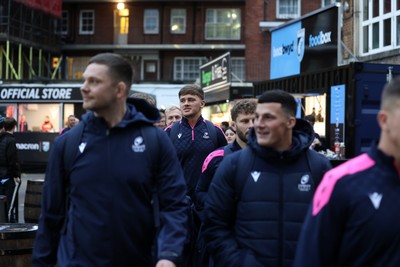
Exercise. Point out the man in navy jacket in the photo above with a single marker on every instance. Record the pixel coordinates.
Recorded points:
(109, 220)
(260, 194)
(354, 218)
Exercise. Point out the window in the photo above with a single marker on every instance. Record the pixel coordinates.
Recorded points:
(238, 70)
(188, 69)
(223, 24)
(328, 2)
(380, 28)
(86, 22)
(62, 23)
(287, 9)
(178, 21)
(150, 23)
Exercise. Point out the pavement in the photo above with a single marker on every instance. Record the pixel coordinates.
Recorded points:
(22, 191)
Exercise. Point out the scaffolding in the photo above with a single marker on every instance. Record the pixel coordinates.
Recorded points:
(28, 43)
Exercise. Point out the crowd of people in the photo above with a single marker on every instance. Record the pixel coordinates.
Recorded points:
(132, 185)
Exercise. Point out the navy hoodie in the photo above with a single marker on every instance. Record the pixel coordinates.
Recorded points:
(257, 222)
(110, 217)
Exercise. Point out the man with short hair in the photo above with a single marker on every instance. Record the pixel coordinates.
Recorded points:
(173, 114)
(10, 171)
(70, 123)
(242, 114)
(354, 219)
(193, 141)
(101, 211)
(259, 195)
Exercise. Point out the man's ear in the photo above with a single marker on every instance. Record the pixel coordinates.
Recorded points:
(382, 118)
(234, 126)
(202, 103)
(291, 122)
(121, 89)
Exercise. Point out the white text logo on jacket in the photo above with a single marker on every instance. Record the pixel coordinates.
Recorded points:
(138, 145)
(304, 184)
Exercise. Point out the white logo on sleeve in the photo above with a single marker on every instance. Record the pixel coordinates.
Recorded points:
(375, 199)
(138, 145)
(82, 147)
(255, 175)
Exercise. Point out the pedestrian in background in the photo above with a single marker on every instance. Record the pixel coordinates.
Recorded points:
(260, 194)
(10, 171)
(230, 135)
(70, 123)
(354, 218)
(173, 114)
(110, 218)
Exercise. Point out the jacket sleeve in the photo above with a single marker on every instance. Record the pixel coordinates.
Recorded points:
(173, 205)
(53, 210)
(210, 165)
(12, 159)
(220, 209)
(320, 238)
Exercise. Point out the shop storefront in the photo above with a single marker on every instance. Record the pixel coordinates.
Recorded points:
(35, 104)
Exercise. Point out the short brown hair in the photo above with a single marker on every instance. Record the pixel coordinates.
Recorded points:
(245, 106)
(192, 89)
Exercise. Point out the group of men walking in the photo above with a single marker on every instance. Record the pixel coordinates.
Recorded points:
(122, 195)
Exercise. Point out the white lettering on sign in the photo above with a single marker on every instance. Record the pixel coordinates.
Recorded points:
(320, 39)
(27, 146)
(36, 93)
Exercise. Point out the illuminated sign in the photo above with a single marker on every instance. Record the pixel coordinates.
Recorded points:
(216, 73)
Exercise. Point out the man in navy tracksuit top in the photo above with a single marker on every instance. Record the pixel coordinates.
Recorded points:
(242, 114)
(193, 142)
(354, 219)
(110, 220)
(254, 219)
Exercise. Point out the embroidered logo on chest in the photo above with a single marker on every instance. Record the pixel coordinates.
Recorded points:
(206, 136)
(304, 185)
(138, 145)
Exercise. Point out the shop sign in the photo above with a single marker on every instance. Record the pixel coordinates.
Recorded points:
(216, 73)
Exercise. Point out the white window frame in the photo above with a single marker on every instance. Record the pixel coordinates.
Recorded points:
(213, 24)
(238, 68)
(151, 15)
(176, 18)
(81, 21)
(379, 20)
(288, 4)
(193, 72)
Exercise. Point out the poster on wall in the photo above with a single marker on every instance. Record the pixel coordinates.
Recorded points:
(306, 44)
(337, 118)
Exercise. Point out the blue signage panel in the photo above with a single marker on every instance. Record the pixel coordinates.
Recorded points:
(284, 56)
(308, 44)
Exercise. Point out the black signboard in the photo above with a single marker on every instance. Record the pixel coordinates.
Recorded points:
(40, 93)
(216, 74)
(34, 147)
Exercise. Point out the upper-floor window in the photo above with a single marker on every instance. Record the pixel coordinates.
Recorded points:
(188, 68)
(380, 26)
(62, 23)
(86, 22)
(238, 69)
(287, 9)
(178, 20)
(328, 2)
(150, 23)
(223, 24)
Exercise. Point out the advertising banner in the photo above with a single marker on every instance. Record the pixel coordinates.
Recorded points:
(304, 45)
(52, 7)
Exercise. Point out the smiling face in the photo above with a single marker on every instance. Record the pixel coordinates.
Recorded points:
(273, 127)
(98, 91)
(191, 105)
